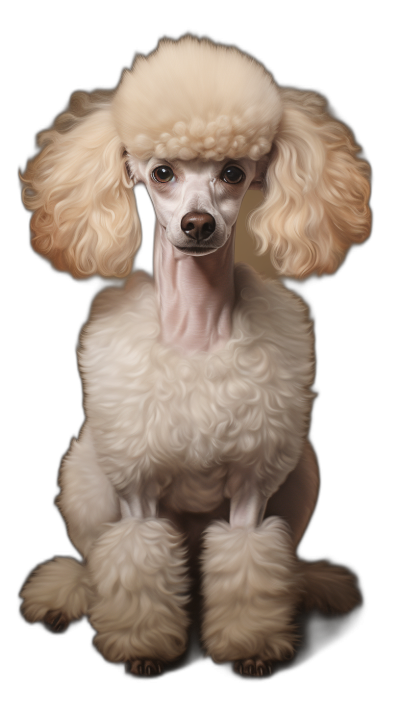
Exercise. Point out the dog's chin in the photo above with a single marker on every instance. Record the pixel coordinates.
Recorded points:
(197, 250)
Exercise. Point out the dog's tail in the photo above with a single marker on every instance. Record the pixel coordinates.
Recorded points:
(332, 589)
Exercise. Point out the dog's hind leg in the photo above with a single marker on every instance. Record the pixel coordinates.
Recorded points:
(87, 499)
(58, 591)
(296, 499)
(326, 587)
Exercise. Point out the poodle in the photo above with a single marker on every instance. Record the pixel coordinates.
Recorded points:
(192, 480)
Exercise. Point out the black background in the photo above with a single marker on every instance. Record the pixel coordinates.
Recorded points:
(345, 57)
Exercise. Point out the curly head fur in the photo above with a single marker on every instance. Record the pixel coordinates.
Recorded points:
(194, 99)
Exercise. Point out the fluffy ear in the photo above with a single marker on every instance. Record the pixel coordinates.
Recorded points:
(85, 218)
(316, 193)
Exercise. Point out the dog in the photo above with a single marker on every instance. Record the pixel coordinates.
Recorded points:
(192, 476)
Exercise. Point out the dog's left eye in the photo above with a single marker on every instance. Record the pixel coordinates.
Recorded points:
(162, 174)
(232, 174)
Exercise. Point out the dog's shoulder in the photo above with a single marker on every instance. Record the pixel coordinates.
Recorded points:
(120, 311)
(269, 306)
(116, 299)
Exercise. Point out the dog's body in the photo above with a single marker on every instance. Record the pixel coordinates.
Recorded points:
(197, 383)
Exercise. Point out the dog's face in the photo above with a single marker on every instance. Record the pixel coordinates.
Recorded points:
(197, 202)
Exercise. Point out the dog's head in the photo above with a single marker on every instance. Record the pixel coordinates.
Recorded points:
(199, 124)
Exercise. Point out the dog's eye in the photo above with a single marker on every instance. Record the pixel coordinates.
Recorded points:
(232, 174)
(162, 174)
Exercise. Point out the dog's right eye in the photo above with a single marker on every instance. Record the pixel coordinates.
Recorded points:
(233, 174)
(162, 174)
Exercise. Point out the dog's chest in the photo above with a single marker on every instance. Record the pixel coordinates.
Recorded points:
(168, 416)
(184, 421)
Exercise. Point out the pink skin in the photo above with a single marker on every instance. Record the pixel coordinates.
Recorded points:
(196, 292)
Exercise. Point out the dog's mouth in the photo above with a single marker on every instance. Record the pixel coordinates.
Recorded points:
(197, 250)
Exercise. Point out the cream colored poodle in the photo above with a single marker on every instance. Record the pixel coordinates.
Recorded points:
(193, 462)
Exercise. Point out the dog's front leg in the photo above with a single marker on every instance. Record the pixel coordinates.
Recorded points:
(138, 506)
(139, 577)
(250, 585)
(247, 505)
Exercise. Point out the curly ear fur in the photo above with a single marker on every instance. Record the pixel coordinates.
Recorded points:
(317, 190)
(85, 218)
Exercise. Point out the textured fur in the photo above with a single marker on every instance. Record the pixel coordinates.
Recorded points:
(58, 585)
(87, 499)
(206, 100)
(332, 589)
(318, 190)
(138, 574)
(249, 609)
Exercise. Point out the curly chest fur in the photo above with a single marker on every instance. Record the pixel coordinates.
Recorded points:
(184, 423)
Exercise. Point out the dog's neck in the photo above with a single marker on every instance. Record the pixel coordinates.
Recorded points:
(196, 295)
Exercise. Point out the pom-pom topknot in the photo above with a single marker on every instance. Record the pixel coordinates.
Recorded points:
(205, 101)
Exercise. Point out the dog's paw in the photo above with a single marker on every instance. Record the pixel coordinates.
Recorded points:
(253, 667)
(145, 667)
(56, 621)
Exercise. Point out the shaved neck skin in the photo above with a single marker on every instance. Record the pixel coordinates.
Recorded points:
(196, 295)
(195, 292)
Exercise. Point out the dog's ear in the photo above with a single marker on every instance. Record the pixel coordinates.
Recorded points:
(258, 182)
(85, 219)
(316, 190)
(134, 169)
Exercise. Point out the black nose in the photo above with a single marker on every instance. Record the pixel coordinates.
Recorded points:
(198, 225)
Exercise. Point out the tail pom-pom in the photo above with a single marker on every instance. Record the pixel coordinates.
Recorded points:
(332, 589)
